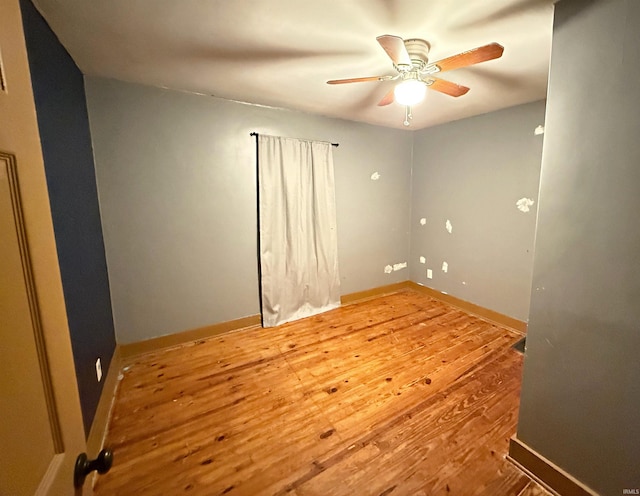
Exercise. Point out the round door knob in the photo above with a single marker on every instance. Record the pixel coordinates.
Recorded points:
(84, 466)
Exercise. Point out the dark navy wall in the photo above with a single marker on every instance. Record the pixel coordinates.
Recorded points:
(58, 88)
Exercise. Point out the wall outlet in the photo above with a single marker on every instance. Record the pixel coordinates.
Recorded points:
(98, 370)
(429, 274)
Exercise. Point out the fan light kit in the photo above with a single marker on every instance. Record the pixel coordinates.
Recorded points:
(409, 92)
(410, 60)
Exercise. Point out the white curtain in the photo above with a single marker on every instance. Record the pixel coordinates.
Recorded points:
(298, 238)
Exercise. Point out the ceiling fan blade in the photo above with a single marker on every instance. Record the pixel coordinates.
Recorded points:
(388, 99)
(470, 57)
(394, 46)
(446, 87)
(359, 80)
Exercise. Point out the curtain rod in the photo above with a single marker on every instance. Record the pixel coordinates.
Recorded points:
(257, 134)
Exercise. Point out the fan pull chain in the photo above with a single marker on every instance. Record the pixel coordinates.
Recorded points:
(407, 115)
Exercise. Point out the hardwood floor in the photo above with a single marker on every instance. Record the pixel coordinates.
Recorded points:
(397, 395)
(533, 489)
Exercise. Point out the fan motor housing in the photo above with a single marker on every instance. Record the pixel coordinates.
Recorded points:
(418, 50)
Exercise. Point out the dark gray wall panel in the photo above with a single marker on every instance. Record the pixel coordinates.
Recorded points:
(580, 405)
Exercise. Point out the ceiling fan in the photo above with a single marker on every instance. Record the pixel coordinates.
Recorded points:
(416, 73)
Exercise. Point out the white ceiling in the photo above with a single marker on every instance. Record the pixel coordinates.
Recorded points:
(281, 52)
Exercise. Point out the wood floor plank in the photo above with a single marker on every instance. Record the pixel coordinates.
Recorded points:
(534, 489)
(427, 437)
(397, 395)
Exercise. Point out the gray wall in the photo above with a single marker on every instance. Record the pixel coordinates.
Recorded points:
(580, 404)
(177, 185)
(472, 172)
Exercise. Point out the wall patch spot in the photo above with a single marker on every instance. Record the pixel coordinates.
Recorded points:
(464, 283)
(375, 176)
(423, 221)
(448, 226)
(445, 267)
(398, 266)
(423, 260)
(523, 204)
(388, 269)
(539, 130)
